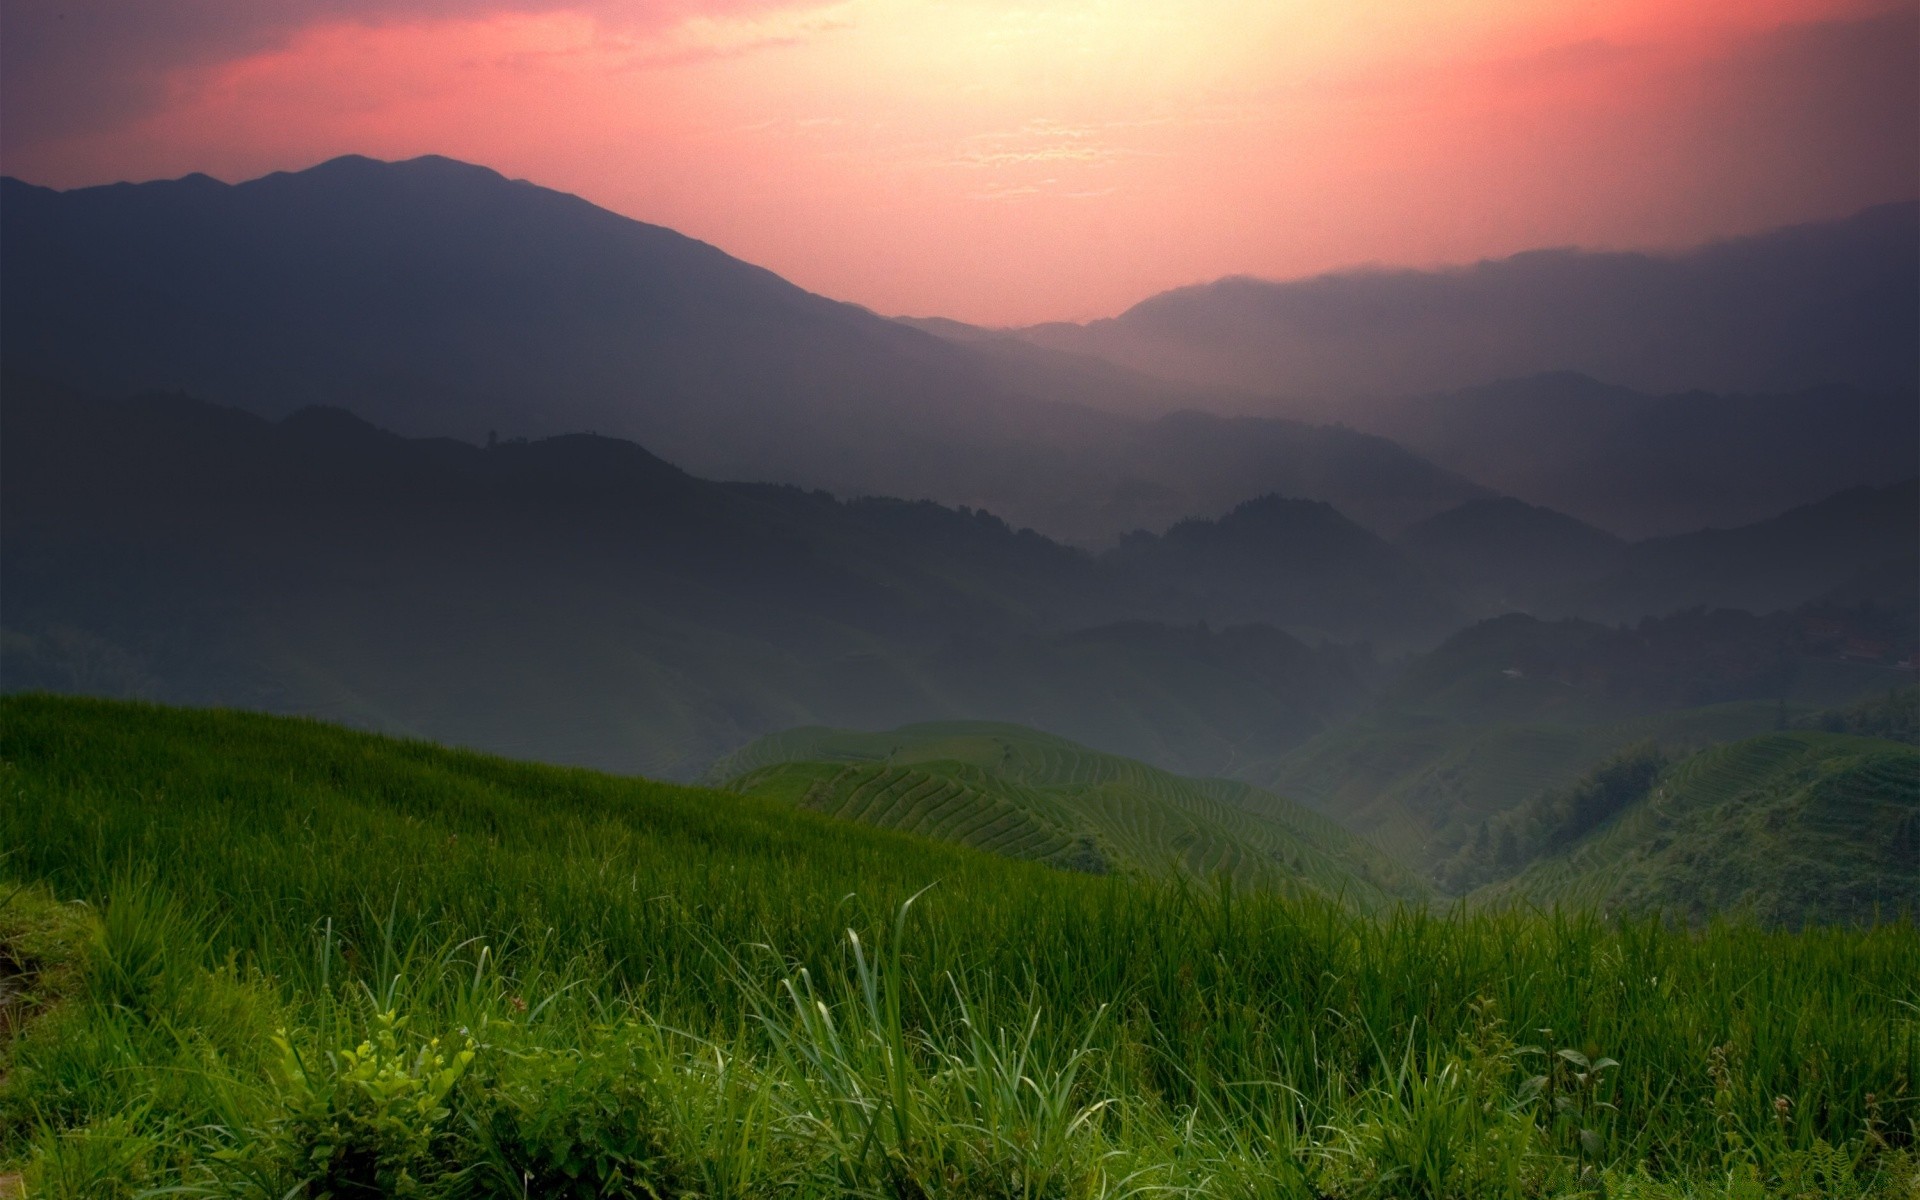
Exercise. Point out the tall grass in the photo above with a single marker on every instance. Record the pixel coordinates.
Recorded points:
(317, 962)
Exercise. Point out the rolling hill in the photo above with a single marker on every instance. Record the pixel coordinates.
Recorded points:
(1793, 827)
(1024, 794)
(249, 955)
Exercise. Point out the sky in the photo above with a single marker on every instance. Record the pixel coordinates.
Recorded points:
(1013, 161)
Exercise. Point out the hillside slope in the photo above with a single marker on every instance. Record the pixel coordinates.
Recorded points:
(643, 988)
(1029, 795)
(1514, 706)
(1794, 827)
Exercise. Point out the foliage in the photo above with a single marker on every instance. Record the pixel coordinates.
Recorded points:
(678, 993)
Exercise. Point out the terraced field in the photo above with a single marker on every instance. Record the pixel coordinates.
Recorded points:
(1418, 785)
(1025, 794)
(1794, 826)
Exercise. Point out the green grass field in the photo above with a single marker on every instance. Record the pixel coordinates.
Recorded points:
(252, 956)
(1019, 792)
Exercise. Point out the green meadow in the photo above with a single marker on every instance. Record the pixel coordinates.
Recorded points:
(246, 956)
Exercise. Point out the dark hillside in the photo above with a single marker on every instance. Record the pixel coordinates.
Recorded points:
(1297, 563)
(1778, 563)
(577, 597)
(1505, 555)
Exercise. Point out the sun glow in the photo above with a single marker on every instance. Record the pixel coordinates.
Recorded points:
(1006, 161)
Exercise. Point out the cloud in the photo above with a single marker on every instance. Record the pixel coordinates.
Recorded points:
(72, 67)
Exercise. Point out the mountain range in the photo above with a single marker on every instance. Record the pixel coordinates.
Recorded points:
(581, 600)
(1829, 303)
(436, 298)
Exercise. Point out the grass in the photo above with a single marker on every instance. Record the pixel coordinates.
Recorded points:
(1016, 791)
(300, 961)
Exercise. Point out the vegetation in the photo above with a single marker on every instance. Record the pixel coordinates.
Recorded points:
(1553, 821)
(1894, 716)
(274, 958)
(1792, 827)
(1016, 791)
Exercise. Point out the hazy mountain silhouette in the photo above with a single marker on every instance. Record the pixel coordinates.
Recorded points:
(1821, 304)
(1643, 465)
(1788, 560)
(1505, 555)
(437, 298)
(1300, 562)
(578, 599)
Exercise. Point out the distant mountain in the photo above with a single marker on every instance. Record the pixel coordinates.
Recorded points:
(1505, 555)
(1774, 564)
(435, 298)
(1024, 794)
(1300, 563)
(579, 599)
(1791, 827)
(1644, 465)
(1824, 304)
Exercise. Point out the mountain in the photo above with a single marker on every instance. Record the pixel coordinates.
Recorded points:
(1833, 303)
(1773, 564)
(1794, 828)
(1028, 795)
(579, 599)
(1298, 562)
(1646, 465)
(434, 298)
(1505, 555)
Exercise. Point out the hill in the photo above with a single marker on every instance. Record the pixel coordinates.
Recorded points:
(1778, 563)
(1513, 707)
(1504, 555)
(305, 960)
(579, 599)
(1644, 464)
(436, 298)
(1028, 795)
(1792, 827)
(1820, 304)
(1296, 563)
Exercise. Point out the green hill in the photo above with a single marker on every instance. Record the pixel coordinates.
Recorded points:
(1795, 827)
(246, 956)
(1026, 794)
(1515, 706)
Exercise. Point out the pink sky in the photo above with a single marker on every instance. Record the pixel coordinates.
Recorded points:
(1007, 162)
